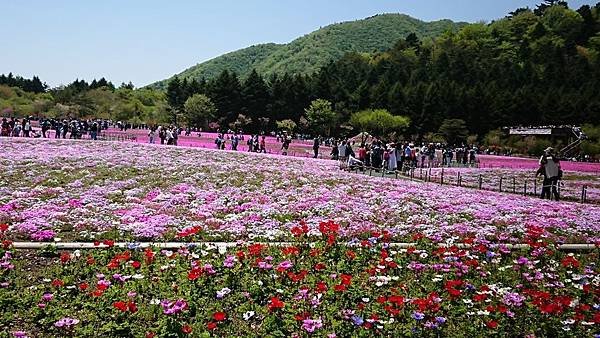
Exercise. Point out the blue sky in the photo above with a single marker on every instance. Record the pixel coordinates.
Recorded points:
(148, 40)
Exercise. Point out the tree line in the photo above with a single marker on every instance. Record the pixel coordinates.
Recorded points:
(532, 67)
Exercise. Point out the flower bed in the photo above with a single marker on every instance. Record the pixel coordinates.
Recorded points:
(338, 277)
(509, 162)
(81, 190)
(326, 289)
(521, 181)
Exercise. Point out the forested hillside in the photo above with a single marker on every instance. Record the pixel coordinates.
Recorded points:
(308, 53)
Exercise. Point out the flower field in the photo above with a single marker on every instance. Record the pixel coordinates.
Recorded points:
(522, 181)
(338, 274)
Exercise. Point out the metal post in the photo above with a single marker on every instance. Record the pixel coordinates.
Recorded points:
(535, 186)
(500, 184)
(421, 174)
(480, 181)
(442, 177)
(514, 185)
(525, 188)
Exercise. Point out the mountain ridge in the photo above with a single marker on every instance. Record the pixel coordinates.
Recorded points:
(307, 53)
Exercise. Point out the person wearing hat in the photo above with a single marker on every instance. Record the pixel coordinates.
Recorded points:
(550, 168)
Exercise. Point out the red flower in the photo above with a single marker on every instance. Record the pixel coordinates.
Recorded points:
(57, 283)
(194, 274)
(275, 303)
(3, 227)
(189, 232)
(290, 250)
(211, 325)
(90, 260)
(6, 244)
(219, 316)
(255, 249)
(319, 266)
(83, 286)
(65, 257)
(136, 264)
(108, 243)
(350, 254)
(321, 287)
(340, 288)
(132, 307)
(122, 306)
(150, 334)
(186, 329)
(492, 324)
(570, 261)
(298, 231)
(346, 280)
(149, 254)
(479, 297)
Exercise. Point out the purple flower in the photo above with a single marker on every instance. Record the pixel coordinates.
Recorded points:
(20, 334)
(285, 265)
(66, 322)
(310, 325)
(47, 297)
(513, 299)
(440, 320)
(229, 261)
(173, 307)
(357, 320)
(418, 315)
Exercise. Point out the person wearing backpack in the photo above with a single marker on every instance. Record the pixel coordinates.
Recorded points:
(550, 169)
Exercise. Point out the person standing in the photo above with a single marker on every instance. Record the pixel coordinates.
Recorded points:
(550, 169)
(263, 145)
(152, 135)
(94, 131)
(392, 161)
(316, 145)
(26, 127)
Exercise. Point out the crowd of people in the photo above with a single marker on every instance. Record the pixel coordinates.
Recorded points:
(397, 156)
(73, 129)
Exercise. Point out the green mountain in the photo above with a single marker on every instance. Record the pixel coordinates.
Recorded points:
(308, 53)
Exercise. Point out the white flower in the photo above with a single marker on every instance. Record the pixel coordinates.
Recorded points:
(483, 313)
(248, 314)
(423, 255)
(279, 291)
(154, 301)
(137, 276)
(260, 283)
(568, 322)
(365, 299)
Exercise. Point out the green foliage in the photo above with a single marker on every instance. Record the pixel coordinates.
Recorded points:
(320, 116)
(199, 110)
(309, 53)
(378, 122)
(454, 131)
(286, 125)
